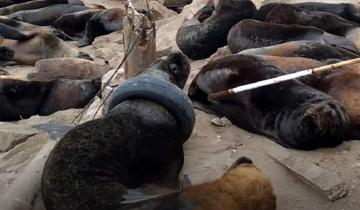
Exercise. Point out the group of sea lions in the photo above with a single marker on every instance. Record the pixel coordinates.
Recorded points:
(34, 30)
(131, 158)
(276, 39)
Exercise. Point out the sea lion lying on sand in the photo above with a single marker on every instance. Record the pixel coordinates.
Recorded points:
(305, 49)
(102, 23)
(29, 5)
(21, 99)
(253, 34)
(36, 46)
(47, 15)
(137, 143)
(344, 10)
(230, 192)
(289, 14)
(74, 24)
(202, 35)
(291, 113)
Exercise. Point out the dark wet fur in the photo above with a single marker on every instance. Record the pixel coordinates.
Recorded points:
(344, 10)
(102, 23)
(288, 14)
(135, 144)
(254, 34)
(23, 99)
(291, 113)
(204, 38)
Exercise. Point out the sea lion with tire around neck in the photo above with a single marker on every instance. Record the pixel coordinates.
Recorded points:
(198, 39)
(254, 34)
(289, 14)
(137, 143)
(291, 113)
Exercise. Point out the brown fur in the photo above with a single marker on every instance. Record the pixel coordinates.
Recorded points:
(40, 46)
(344, 86)
(243, 188)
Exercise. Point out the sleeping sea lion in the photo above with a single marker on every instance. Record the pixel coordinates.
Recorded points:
(138, 142)
(253, 34)
(102, 23)
(47, 15)
(36, 46)
(305, 49)
(23, 27)
(290, 113)
(344, 10)
(229, 192)
(21, 99)
(289, 14)
(202, 35)
(74, 24)
(4, 3)
(342, 84)
(29, 5)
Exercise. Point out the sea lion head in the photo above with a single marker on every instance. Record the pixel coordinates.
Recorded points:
(322, 123)
(178, 68)
(241, 161)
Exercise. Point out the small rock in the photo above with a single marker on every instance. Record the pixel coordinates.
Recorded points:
(221, 122)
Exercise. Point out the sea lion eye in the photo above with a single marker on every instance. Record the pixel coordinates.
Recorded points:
(173, 68)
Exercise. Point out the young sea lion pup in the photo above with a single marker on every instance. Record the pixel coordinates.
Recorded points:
(291, 113)
(137, 143)
(242, 187)
(202, 35)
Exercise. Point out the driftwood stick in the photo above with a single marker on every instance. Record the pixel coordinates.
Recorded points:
(318, 70)
(139, 30)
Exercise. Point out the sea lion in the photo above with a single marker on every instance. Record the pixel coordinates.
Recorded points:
(4, 3)
(21, 99)
(291, 113)
(305, 49)
(136, 143)
(29, 5)
(102, 23)
(47, 15)
(229, 192)
(344, 10)
(253, 34)
(22, 27)
(201, 36)
(289, 14)
(38, 46)
(74, 24)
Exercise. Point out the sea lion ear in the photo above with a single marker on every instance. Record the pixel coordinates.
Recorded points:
(239, 161)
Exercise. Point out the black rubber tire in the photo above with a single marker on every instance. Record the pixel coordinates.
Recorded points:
(161, 92)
